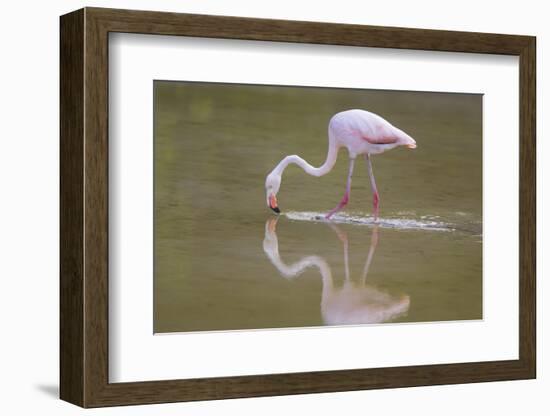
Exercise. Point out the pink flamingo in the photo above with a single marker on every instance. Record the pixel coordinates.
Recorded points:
(362, 133)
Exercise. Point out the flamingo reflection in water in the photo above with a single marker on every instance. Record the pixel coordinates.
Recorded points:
(354, 302)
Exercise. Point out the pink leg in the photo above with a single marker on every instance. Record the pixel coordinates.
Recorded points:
(345, 199)
(375, 195)
(376, 205)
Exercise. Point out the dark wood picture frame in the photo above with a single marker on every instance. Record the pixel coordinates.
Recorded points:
(84, 207)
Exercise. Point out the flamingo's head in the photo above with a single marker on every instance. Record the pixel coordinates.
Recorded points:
(272, 185)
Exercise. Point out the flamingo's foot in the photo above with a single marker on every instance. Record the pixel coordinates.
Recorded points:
(343, 237)
(338, 207)
(331, 213)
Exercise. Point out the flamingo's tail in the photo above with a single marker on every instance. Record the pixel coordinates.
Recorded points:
(405, 139)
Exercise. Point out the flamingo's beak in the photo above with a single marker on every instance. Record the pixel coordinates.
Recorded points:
(273, 203)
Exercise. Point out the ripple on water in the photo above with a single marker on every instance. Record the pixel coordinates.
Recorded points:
(398, 223)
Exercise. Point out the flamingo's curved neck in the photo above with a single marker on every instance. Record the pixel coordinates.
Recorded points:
(271, 249)
(311, 170)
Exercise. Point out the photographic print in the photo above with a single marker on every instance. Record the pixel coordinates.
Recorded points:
(296, 207)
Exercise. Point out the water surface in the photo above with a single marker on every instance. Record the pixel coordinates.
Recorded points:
(223, 262)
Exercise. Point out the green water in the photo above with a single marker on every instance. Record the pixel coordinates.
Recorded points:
(222, 262)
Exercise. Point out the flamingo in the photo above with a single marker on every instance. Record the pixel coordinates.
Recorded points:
(354, 302)
(362, 133)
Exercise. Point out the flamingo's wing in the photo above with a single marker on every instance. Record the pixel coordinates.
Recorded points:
(371, 128)
(379, 139)
(379, 133)
(375, 136)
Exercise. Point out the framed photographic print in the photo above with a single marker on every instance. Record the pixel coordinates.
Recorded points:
(255, 207)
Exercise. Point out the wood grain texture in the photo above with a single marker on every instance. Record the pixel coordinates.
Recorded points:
(72, 215)
(96, 208)
(162, 23)
(84, 207)
(527, 208)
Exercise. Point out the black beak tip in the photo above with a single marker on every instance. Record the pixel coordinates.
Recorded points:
(276, 210)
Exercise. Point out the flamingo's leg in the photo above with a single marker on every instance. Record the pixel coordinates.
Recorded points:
(344, 239)
(345, 199)
(375, 195)
(373, 244)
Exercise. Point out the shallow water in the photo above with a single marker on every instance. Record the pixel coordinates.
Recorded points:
(223, 261)
(402, 223)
